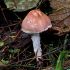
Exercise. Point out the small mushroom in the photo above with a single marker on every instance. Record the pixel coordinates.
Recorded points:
(34, 23)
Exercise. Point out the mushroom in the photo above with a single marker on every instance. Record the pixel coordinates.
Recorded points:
(34, 23)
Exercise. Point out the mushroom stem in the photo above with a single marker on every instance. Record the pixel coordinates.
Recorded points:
(37, 46)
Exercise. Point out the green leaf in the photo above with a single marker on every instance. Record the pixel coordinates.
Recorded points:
(62, 56)
(1, 44)
(1, 64)
(5, 61)
(20, 5)
(13, 51)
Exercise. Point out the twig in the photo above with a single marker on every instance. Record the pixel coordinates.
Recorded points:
(9, 25)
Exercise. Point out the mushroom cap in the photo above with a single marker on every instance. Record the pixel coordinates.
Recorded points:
(36, 22)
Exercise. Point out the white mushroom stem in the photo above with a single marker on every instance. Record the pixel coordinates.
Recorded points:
(37, 46)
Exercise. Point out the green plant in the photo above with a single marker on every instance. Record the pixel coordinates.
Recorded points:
(1, 43)
(60, 61)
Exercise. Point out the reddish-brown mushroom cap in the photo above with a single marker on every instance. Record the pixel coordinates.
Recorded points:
(36, 22)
